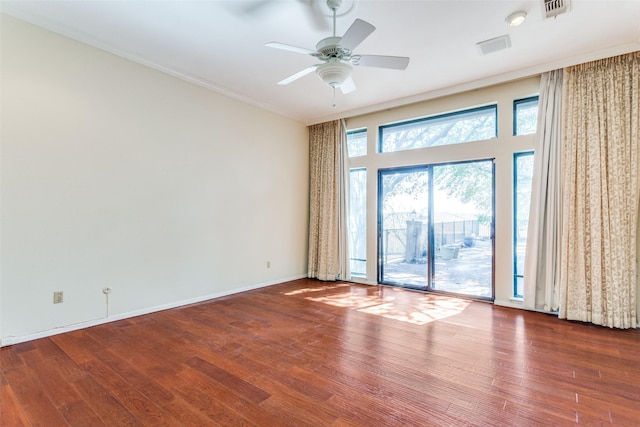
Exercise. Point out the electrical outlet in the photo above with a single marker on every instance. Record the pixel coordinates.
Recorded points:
(57, 297)
(268, 264)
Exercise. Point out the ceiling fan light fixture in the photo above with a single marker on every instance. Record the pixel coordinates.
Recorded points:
(516, 18)
(334, 73)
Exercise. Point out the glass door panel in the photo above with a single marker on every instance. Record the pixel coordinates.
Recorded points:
(463, 228)
(403, 235)
(358, 222)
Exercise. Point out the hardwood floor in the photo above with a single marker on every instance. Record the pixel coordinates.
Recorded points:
(308, 353)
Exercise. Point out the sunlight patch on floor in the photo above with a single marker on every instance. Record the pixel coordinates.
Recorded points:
(416, 309)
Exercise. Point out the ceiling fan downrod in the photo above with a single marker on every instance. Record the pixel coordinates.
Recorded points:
(334, 5)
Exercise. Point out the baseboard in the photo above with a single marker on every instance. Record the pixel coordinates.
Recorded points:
(512, 303)
(363, 281)
(11, 340)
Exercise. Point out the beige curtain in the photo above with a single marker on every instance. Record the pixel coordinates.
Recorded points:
(328, 168)
(542, 259)
(601, 127)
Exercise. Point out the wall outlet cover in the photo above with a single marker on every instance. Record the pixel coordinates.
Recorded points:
(57, 297)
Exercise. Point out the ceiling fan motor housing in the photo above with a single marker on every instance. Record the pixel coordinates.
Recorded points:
(329, 48)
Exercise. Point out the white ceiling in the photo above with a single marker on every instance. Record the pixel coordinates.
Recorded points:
(220, 44)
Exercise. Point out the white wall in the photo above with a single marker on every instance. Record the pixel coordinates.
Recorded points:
(117, 175)
(501, 148)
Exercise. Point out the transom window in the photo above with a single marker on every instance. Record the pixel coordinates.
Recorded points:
(476, 124)
(525, 116)
(357, 143)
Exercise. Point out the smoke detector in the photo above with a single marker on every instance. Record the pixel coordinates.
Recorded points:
(553, 8)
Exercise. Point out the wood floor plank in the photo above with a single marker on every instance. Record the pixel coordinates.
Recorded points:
(214, 400)
(132, 399)
(147, 385)
(74, 345)
(159, 389)
(11, 412)
(55, 383)
(9, 358)
(105, 404)
(327, 354)
(38, 408)
(79, 413)
(237, 385)
(298, 408)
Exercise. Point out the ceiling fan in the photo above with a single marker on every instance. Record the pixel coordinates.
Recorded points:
(336, 54)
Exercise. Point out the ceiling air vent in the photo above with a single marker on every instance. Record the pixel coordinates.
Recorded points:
(495, 44)
(553, 8)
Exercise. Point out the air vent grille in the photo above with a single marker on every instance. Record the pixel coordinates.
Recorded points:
(495, 44)
(555, 7)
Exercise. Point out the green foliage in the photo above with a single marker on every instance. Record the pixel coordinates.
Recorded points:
(469, 183)
(474, 125)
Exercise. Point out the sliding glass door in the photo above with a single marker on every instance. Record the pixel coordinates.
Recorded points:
(463, 228)
(436, 228)
(403, 226)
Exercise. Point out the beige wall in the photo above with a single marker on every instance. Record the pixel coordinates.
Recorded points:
(501, 149)
(117, 175)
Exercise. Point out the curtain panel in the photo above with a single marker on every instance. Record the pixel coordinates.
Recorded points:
(601, 127)
(328, 201)
(542, 259)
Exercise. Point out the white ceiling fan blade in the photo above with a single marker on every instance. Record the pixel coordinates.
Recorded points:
(381, 61)
(357, 32)
(348, 86)
(298, 75)
(314, 14)
(256, 6)
(290, 48)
